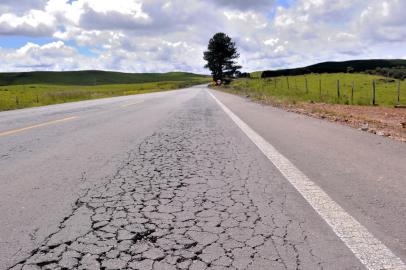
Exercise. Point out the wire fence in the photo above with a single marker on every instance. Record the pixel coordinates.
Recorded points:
(23, 99)
(349, 89)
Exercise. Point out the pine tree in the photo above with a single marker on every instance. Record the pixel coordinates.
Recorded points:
(220, 56)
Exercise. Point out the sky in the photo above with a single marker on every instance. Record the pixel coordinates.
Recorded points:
(171, 35)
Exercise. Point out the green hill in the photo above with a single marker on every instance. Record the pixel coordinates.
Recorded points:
(392, 67)
(91, 77)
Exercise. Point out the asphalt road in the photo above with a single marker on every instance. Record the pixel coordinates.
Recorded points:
(169, 181)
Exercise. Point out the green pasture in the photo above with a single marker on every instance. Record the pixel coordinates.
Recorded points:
(336, 88)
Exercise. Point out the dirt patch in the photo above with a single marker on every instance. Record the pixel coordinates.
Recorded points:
(389, 122)
(383, 121)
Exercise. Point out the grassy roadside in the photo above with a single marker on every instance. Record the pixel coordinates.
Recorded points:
(34, 95)
(322, 88)
(383, 120)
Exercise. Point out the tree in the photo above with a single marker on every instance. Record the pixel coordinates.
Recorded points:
(220, 55)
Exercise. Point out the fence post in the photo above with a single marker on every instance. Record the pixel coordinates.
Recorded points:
(352, 92)
(17, 101)
(287, 81)
(320, 88)
(399, 92)
(373, 92)
(307, 86)
(37, 99)
(275, 82)
(338, 89)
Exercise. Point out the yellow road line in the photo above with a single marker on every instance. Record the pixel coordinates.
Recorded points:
(14, 131)
(131, 104)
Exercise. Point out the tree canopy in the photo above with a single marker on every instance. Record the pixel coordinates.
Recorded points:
(220, 56)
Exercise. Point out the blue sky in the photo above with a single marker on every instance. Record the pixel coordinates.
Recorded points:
(15, 42)
(164, 35)
(285, 3)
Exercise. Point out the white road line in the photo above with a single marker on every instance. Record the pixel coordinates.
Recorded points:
(369, 250)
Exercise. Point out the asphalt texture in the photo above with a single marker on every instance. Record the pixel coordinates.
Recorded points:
(168, 181)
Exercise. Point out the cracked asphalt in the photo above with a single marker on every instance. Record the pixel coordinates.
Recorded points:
(191, 193)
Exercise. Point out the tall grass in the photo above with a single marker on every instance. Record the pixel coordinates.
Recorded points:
(323, 88)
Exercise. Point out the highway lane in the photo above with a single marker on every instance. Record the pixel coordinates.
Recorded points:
(44, 169)
(168, 179)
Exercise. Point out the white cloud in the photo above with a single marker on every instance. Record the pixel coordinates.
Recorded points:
(33, 23)
(163, 35)
(127, 7)
(245, 4)
(51, 56)
(384, 21)
(20, 6)
(271, 42)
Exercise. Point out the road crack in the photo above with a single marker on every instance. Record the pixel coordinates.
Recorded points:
(182, 199)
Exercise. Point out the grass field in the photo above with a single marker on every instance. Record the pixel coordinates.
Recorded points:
(33, 95)
(292, 89)
(256, 74)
